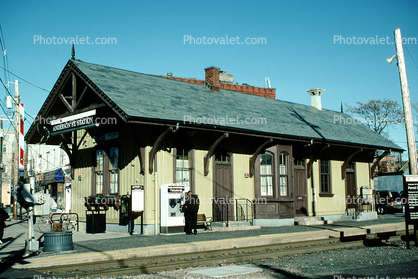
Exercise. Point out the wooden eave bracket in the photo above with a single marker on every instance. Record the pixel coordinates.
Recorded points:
(155, 147)
(347, 161)
(313, 159)
(206, 160)
(373, 167)
(255, 155)
(81, 97)
(65, 102)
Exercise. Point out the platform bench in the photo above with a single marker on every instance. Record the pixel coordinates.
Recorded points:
(203, 222)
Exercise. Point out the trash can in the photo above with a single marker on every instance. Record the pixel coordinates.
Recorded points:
(95, 222)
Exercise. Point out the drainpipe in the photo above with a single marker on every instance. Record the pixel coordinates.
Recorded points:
(313, 191)
(156, 195)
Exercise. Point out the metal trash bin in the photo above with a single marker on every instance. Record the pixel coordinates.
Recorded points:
(95, 222)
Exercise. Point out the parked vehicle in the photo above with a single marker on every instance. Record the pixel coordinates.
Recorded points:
(388, 202)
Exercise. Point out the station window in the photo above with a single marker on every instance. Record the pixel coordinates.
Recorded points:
(106, 171)
(114, 170)
(284, 174)
(222, 157)
(183, 166)
(99, 171)
(325, 177)
(266, 174)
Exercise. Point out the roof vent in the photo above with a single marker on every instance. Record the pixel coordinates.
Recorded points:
(316, 97)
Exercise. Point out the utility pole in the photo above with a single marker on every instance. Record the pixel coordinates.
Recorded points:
(410, 137)
(16, 153)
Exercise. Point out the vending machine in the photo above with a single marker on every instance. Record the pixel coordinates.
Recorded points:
(171, 207)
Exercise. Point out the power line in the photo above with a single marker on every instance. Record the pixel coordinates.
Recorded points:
(3, 52)
(47, 161)
(411, 56)
(7, 90)
(6, 65)
(15, 129)
(28, 82)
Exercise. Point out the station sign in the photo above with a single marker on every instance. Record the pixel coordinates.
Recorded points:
(74, 122)
(411, 193)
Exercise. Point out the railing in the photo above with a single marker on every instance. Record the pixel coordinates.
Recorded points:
(365, 207)
(361, 204)
(244, 210)
(65, 219)
(220, 211)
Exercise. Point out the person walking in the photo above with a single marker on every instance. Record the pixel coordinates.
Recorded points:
(190, 213)
(3, 217)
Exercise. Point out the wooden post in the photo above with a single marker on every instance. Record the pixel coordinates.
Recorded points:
(1, 161)
(406, 104)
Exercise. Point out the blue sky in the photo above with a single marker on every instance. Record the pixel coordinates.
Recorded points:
(299, 52)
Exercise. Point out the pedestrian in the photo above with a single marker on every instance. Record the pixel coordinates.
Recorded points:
(3, 217)
(190, 213)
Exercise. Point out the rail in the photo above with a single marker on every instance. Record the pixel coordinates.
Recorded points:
(244, 210)
(220, 211)
(152, 263)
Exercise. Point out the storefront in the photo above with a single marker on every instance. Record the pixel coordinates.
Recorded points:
(58, 184)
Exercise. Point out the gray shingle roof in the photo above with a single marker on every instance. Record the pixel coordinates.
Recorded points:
(152, 97)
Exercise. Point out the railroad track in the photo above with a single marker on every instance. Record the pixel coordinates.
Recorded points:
(135, 266)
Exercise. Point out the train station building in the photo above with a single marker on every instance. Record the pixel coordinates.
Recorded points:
(247, 155)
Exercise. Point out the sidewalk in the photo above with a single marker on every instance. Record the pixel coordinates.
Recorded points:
(16, 233)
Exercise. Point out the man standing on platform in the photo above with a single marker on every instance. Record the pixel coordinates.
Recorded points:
(191, 205)
(3, 217)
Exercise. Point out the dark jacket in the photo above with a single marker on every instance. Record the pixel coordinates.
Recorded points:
(191, 203)
(3, 217)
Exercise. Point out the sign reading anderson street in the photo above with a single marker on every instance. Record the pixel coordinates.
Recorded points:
(411, 191)
(74, 122)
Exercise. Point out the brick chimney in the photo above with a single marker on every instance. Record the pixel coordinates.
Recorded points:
(212, 78)
(316, 97)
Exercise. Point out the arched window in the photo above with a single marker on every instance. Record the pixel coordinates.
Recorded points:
(266, 174)
(99, 171)
(105, 180)
(284, 174)
(113, 168)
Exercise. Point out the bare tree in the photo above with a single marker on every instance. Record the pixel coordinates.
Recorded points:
(377, 114)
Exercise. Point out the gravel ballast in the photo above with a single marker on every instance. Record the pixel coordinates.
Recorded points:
(385, 261)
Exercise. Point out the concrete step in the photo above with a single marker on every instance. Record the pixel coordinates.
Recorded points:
(232, 224)
(311, 221)
(235, 228)
(239, 223)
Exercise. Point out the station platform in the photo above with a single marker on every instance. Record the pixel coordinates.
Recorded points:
(111, 245)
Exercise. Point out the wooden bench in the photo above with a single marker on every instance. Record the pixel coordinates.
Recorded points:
(203, 222)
